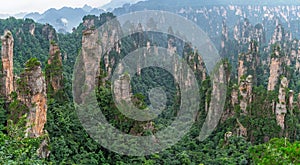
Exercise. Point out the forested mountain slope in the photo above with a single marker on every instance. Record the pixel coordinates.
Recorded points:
(260, 124)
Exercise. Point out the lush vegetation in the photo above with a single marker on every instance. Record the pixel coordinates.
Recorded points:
(71, 144)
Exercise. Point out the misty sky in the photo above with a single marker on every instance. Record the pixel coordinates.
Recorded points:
(17, 6)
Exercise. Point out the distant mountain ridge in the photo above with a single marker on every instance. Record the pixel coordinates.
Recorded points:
(177, 3)
(118, 3)
(64, 19)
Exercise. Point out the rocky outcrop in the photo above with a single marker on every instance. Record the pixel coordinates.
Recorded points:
(247, 66)
(281, 106)
(259, 34)
(241, 130)
(245, 90)
(241, 68)
(32, 29)
(275, 68)
(291, 100)
(7, 80)
(122, 88)
(96, 46)
(49, 32)
(197, 64)
(278, 35)
(234, 95)
(91, 52)
(227, 135)
(89, 23)
(248, 61)
(224, 38)
(54, 77)
(242, 32)
(31, 91)
(298, 58)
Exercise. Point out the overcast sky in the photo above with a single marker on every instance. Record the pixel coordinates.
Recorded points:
(17, 6)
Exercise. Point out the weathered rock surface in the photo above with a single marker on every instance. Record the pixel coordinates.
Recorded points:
(7, 80)
(32, 29)
(281, 106)
(275, 68)
(248, 61)
(54, 77)
(122, 88)
(241, 130)
(32, 93)
(245, 90)
(49, 32)
(96, 45)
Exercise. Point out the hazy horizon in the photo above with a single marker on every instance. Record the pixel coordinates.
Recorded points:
(13, 7)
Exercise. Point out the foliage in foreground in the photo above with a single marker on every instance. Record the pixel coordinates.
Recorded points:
(276, 151)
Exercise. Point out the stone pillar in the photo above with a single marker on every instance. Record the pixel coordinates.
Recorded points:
(32, 93)
(7, 64)
(245, 89)
(281, 108)
(54, 69)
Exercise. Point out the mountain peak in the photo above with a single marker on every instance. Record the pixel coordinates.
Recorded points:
(87, 8)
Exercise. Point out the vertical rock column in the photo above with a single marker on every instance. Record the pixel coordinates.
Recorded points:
(281, 107)
(91, 52)
(54, 77)
(122, 88)
(7, 64)
(246, 93)
(32, 92)
(248, 61)
(275, 68)
(291, 100)
(298, 58)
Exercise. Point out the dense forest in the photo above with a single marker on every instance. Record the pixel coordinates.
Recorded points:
(251, 130)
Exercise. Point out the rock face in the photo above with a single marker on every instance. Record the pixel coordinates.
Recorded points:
(247, 66)
(96, 45)
(298, 58)
(246, 93)
(32, 29)
(291, 100)
(234, 95)
(224, 34)
(195, 61)
(7, 64)
(241, 130)
(122, 88)
(248, 61)
(49, 32)
(91, 52)
(54, 77)
(243, 31)
(275, 68)
(278, 35)
(281, 106)
(32, 93)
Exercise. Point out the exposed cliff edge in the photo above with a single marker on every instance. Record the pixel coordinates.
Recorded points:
(7, 80)
(30, 89)
(281, 106)
(54, 71)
